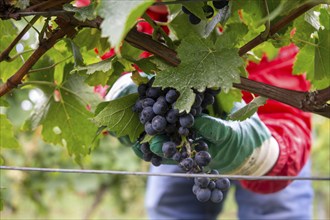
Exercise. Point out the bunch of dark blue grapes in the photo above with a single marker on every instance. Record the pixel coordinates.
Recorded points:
(155, 107)
(210, 189)
(207, 9)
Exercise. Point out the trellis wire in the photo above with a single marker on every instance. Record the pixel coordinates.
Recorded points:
(116, 172)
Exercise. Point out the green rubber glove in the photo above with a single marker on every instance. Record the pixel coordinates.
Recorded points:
(238, 147)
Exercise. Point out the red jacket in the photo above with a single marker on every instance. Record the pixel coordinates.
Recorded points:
(291, 127)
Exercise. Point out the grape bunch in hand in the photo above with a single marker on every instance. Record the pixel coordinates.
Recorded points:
(155, 107)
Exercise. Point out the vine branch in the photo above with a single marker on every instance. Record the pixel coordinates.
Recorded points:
(273, 29)
(315, 102)
(5, 54)
(44, 46)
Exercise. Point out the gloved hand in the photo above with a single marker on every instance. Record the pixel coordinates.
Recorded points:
(238, 147)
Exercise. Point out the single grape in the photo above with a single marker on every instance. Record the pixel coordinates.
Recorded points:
(138, 106)
(211, 185)
(201, 146)
(187, 120)
(160, 107)
(171, 96)
(169, 149)
(193, 19)
(193, 111)
(222, 184)
(203, 195)
(148, 102)
(213, 171)
(208, 100)
(184, 154)
(159, 123)
(208, 11)
(147, 114)
(147, 156)
(156, 160)
(202, 182)
(177, 157)
(198, 101)
(199, 110)
(149, 129)
(216, 196)
(162, 99)
(172, 116)
(145, 148)
(202, 158)
(220, 4)
(187, 163)
(195, 189)
(142, 88)
(153, 92)
(183, 131)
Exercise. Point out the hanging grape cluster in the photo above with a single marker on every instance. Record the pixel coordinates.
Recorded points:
(155, 107)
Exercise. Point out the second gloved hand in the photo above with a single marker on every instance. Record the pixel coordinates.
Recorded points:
(238, 147)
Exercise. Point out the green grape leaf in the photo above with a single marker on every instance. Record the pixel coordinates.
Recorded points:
(248, 110)
(102, 66)
(7, 138)
(91, 38)
(103, 72)
(3, 102)
(226, 100)
(304, 61)
(119, 17)
(196, 8)
(205, 64)
(147, 65)
(325, 18)
(65, 114)
(181, 26)
(78, 59)
(119, 117)
(83, 13)
(322, 56)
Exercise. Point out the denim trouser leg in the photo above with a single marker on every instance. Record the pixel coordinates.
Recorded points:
(172, 198)
(294, 202)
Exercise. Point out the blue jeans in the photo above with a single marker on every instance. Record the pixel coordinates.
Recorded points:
(172, 198)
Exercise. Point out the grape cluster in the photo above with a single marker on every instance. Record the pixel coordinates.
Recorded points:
(207, 9)
(207, 189)
(155, 107)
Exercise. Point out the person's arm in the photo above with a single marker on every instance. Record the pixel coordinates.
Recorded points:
(290, 127)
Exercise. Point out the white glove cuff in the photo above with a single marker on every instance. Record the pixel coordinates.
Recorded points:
(261, 161)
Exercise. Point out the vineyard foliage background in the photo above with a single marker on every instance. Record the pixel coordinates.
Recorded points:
(53, 70)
